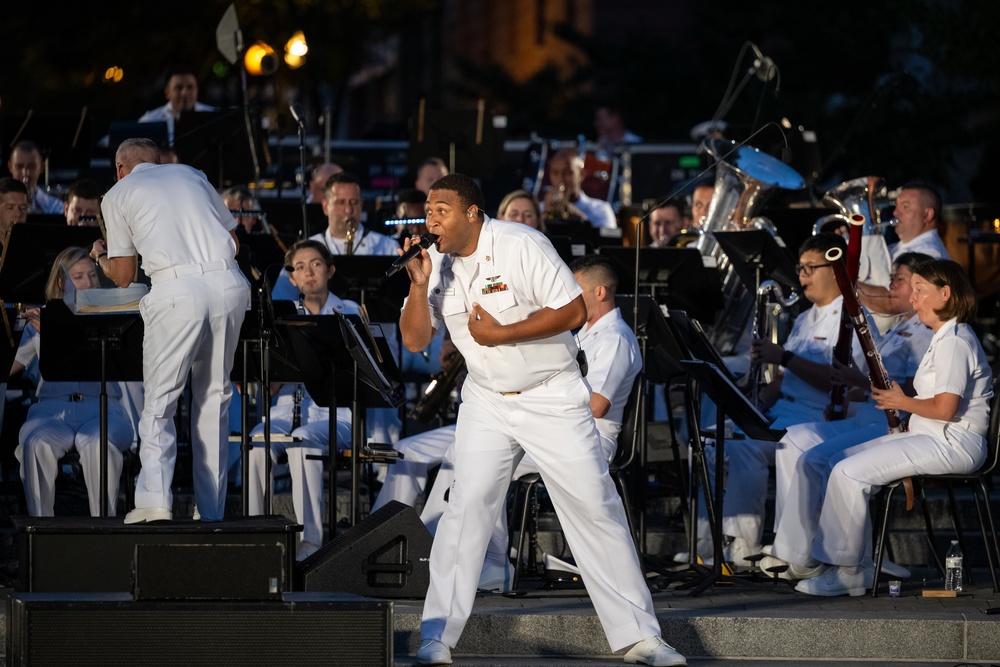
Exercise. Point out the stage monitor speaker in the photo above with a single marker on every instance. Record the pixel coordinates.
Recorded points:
(209, 571)
(386, 555)
(112, 630)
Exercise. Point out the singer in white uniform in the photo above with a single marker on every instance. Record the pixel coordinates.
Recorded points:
(947, 430)
(509, 302)
(312, 268)
(797, 503)
(172, 216)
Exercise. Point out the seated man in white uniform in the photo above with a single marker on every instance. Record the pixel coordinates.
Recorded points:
(67, 414)
(796, 508)
(918, 209)
(565, 170)
(181, 91)
(294, 413)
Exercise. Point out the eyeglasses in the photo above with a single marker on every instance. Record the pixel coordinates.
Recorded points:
(809, 269)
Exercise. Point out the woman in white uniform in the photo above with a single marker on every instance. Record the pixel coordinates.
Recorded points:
(67, 414)
(947, 429)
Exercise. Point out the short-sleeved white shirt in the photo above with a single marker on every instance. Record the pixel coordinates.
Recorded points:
(614, 360)
(903, 347)
(513, 273)
(170, 214)
(366, 242)
(929, 243)
(955, 364)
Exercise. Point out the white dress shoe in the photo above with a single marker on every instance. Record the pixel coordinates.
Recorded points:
(737, 553)
(147, 514)
(793, 572)
(833, 582)
(655, 652)
(433, 652)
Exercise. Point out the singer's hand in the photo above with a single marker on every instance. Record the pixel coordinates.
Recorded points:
(419, 269)
(485, 328)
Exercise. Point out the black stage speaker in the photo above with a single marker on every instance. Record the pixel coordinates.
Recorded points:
(209, 571)
(112, 630)
(85, 554)
(386, 555)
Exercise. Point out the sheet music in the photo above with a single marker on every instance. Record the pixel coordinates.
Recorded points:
(359, 343)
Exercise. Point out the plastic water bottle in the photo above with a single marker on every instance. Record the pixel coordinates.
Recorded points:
(953, 568)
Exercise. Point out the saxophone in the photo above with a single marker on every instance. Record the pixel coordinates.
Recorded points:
(435, 396)
(349, 244)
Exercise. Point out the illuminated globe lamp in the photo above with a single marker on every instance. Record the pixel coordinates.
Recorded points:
(296, 50)
(259, 60)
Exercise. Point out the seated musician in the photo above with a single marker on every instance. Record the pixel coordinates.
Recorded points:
(294, 413)
(521, 206)
(797, 504)
(800, 394)
(67, 414)
(566, 200)
(947, 433)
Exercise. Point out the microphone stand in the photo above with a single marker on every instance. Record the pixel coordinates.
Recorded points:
(246, 108)
(302, 170)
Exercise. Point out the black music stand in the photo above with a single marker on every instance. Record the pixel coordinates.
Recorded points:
(340, 367)
(675, 277)
(64, 139)
(67, 355)
(29, 254)
(119, 131)
(286, 216)
(361, 278)
(216, 143)
(756, 254)
(745, 415)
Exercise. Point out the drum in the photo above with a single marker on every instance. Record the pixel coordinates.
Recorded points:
(983, 221)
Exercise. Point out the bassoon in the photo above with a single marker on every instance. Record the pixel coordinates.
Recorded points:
(842, 350)
(852, 307)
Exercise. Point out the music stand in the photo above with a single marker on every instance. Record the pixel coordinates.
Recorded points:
(676, 277)
(64, 139)
(755, 253)
(361, 278)
(286, 216)
(29, 254)
(340, 368)
(216, 143)
(745, 415)
(67, 355)
(119, 131)
(46, 219)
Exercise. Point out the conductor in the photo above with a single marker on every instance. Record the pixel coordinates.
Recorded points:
(171, 216)
(509, 302)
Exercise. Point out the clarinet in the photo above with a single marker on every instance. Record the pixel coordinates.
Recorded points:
(876, 369)
(837, 409)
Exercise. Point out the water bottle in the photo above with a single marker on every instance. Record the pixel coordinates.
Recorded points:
(953, 568)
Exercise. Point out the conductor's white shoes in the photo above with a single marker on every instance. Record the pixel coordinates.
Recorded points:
(433, 652)
(655, 652)
(147, 514)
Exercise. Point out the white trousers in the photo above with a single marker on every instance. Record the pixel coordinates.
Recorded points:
(844, 533)
(800, 495)
(553, 423)
(743, 505)
(306, 473)
(192, 325)
(406, 479)
(54, 427)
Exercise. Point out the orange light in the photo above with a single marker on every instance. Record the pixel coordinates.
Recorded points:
(259, 59)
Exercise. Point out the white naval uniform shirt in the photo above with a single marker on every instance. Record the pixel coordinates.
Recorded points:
(366, 242)
(144, 215)
(513, 273)
(614, 360)
(599, 212)
(955, 364)
(166, 114)
(43, 202)
(928, 243)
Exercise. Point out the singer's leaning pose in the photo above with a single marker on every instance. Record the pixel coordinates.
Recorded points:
(172, 216)
(510, 302)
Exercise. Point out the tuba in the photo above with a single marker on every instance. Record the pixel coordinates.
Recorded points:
(744, 179)
(865, 196)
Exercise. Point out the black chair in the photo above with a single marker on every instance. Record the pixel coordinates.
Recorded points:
(525, 502)
(978, 481)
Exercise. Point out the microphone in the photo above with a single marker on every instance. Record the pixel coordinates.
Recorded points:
(425, 242)
(296, 109)
(764, 68)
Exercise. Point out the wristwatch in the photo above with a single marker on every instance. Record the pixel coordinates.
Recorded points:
(786, 358)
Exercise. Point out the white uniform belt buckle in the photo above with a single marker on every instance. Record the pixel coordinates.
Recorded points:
(75, 398)
(509, 393)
